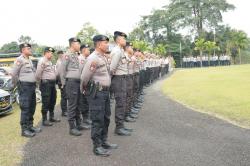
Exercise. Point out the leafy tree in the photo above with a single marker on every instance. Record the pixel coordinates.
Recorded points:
(210, 47)
(200, 46)
(198, 13)
(142, 45)
(239, 41)
(11, 47)
(160, 49)
(87, 33)
(25, 39)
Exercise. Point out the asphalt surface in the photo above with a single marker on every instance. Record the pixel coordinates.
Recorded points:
(166, 134)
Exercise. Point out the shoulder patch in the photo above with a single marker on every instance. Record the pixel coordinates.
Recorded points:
(66, 57)
(18, 62)
(93, 66)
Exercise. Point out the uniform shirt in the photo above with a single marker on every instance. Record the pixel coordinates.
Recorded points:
(58, 66)
(131, 64)
(70, 66)
(23, 70)
(82, 61)
(136, 63)
(45, 70)
(119, 64)
(95, 69)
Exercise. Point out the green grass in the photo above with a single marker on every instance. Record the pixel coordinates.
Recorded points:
(11, 142)
(220, 91)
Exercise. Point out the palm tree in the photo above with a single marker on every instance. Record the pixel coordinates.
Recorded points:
(210, 46)
(239, 41)
(200, 46)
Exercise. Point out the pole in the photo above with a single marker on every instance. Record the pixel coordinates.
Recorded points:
(180, 56)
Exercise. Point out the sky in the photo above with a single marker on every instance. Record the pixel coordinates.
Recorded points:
(53, 22)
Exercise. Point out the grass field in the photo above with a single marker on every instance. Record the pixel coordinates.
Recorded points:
(11, 142)
(221, 91)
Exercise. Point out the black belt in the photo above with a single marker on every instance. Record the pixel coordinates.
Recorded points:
(73, 79)
(27, 83)
(103, 88)
(48, 81)
(121, 76)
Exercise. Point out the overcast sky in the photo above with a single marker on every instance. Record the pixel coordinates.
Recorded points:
(52, 22)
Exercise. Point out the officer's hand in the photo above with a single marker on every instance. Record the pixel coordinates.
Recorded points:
(84, 88)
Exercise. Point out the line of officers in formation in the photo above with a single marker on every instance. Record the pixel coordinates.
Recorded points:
(205, 61)
(86, 82)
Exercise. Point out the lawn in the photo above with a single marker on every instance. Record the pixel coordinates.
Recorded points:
(11, 142)
(220, 91)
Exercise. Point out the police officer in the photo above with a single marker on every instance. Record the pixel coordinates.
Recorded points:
(96, 71)
(84, 106)
(63, 101)
(23, 73)
(70, 77)
(46, 76)
(119, 72)
(130, 82)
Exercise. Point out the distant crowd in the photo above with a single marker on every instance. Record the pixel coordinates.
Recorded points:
(205, 61)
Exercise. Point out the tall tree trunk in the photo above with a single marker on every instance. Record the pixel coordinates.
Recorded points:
(200, 57)
(239, 56)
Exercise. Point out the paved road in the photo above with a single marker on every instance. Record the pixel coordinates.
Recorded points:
(166, 134)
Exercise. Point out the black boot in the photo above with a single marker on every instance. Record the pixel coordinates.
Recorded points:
(73, 130)
(46, 122)
(134, 116)
(129, 119)
(107, 145)
(128, 129)
(34, 129)
(26, 132)
(82, 126)
(100, 151)
(122, 132)
(52, 118)
(64, 113)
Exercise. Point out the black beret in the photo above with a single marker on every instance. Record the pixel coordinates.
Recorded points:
(84, 46)
(118, 33)
(129, 44)
(49, 49)
(100, 38)
(74, 39)
(91, 50)
(60, 52)
(136, 49)
(23, 45)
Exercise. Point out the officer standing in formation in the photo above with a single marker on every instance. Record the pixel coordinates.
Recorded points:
(95, 81)
(129, 116)
(86, 81)
(46, 77)
(119, 73)
(23, 74)
(63, 101)
(84, 106)
(70, 77)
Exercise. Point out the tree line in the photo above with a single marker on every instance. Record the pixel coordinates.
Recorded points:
(181, 28)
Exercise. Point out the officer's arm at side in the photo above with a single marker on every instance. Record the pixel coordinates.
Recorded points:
(87, 73)
(63, 68)
(39, 71)
(116, 56)
(15, 71)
